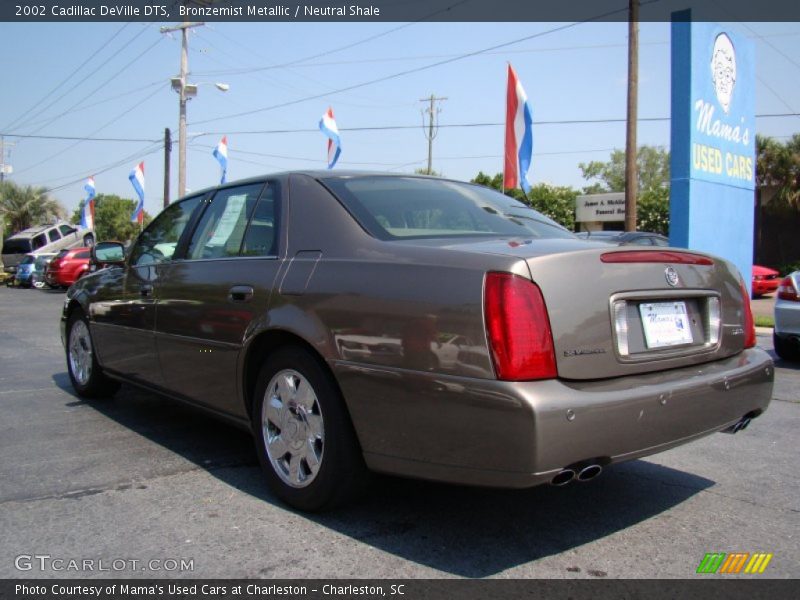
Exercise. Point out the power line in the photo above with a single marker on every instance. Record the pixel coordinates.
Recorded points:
(71, 137)
(71, 146)
(66, 79)
(145, 151)
(333, 50)
(126, 93)
(410, 71)
(103, 84)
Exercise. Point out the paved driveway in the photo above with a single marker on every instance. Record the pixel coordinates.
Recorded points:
(138, 478)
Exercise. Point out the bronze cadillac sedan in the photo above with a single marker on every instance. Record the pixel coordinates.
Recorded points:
(416, 326)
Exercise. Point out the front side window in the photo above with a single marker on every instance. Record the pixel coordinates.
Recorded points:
(221, 229)
(413, 207)
(158, 242)
(40, 241)
(66, 229)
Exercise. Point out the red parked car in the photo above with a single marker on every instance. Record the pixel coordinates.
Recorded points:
(765, 280)
(67, 267)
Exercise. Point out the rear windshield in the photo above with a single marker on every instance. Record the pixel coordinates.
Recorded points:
(414, 207)
(20, 246)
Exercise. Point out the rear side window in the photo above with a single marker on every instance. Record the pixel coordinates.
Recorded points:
(40, 241)
(260, 238)
(414, 207)
(17, 246)
(221, 229)
(53, 235)
(84, 254)
(62, 253)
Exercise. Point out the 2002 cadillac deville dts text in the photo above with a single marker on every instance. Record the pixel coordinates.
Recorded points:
(416, 326)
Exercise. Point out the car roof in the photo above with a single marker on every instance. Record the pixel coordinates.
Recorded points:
(35, 230)
(321, 174)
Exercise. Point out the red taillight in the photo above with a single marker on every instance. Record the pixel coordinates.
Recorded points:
(787, 290)
(655, 256)
(749, 324)
(518, 328)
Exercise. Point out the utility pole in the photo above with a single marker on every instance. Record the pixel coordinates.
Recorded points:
(3, 166)
(631, 150)
(167, 151)
(185, 92)
(433, 127)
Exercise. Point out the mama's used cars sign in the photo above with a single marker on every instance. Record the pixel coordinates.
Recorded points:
(723, 124)
(712, 141)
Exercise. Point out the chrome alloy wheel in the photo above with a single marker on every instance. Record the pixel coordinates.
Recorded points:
(291, 423)
(80, 352)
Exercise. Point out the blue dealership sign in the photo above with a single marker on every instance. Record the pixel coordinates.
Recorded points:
(712, 141)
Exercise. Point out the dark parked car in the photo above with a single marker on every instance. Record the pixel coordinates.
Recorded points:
(416, 326)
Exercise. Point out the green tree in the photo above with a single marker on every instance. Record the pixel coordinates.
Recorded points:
(652, 211)
(653, 167)
(652, 206)
(778, 171)
(425, 171)
(112, 218)
(23, 207)
(557, 202)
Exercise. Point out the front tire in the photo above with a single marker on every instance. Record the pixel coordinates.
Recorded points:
(305, 441)
(85, 373)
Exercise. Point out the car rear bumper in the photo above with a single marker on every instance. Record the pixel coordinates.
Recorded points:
(483, 432)
(787, 318)
(766, 286)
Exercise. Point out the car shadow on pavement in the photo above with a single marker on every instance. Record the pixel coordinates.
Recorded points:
(463, 531)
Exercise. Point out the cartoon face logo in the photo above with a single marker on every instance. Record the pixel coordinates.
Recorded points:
(723, 70)
(671, 276)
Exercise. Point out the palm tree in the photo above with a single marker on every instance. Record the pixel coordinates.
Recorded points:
(23, 207)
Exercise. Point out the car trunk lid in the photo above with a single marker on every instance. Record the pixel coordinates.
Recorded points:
(616, 312)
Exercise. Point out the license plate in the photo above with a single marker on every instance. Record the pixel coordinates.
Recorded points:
(665, 324)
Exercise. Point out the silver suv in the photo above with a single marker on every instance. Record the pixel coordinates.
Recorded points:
(42, 239)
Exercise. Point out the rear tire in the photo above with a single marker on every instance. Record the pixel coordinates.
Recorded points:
(85, 373)
(786, 349)
(305, 440)
(88, 240)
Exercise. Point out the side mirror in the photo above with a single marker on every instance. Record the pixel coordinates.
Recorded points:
(107, 254)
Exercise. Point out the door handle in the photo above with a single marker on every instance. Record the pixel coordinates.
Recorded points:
(146, 290)
(240, 293)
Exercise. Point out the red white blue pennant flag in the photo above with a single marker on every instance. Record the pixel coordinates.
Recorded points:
(221, 154)
(87, 215)
(519, 135)
(327, 125)
(137, 181)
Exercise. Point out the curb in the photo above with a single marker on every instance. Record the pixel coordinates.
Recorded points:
(764, 330)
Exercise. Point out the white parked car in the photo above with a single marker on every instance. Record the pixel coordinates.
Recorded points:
(43, 239)
(786, 335)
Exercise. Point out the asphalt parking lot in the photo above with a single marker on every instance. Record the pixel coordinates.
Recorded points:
(138, 478)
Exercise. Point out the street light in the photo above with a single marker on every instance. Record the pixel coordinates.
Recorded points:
(186, 91)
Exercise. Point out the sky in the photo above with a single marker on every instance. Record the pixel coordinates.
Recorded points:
(111, 81)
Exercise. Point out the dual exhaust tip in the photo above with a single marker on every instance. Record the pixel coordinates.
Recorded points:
(740, 425)
(582, 473)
